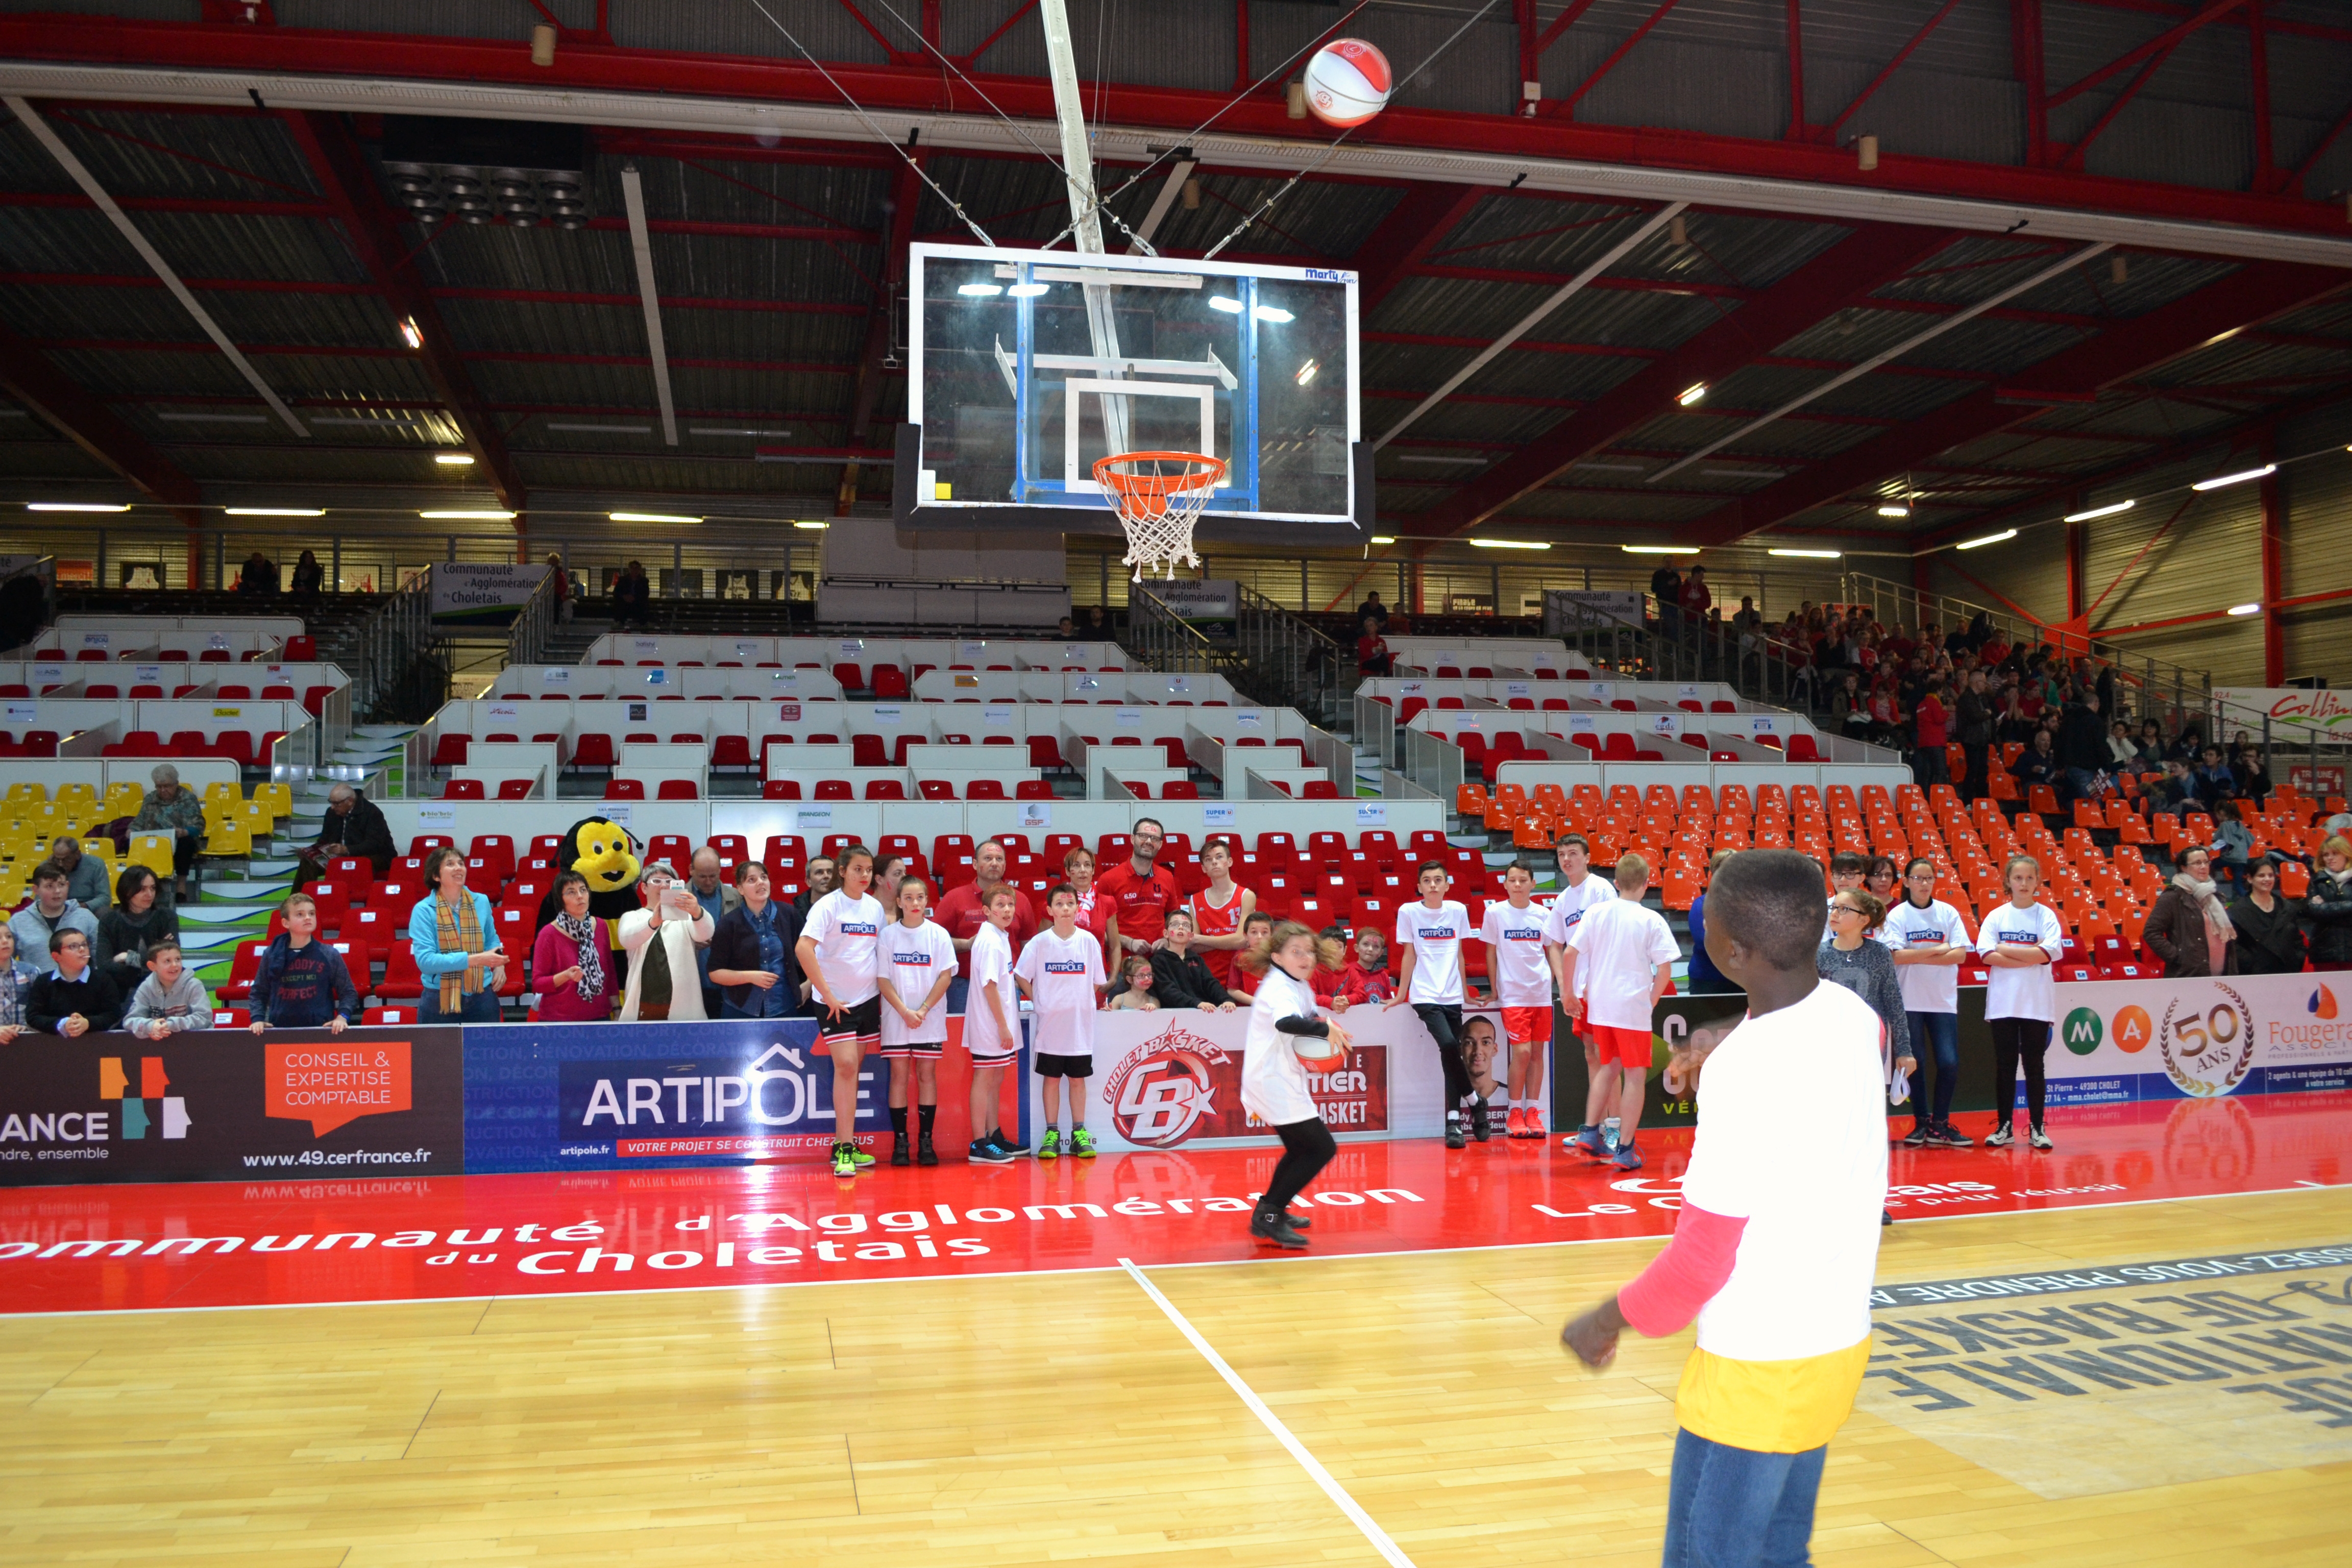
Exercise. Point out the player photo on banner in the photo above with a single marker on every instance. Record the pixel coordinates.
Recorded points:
(1172, 1078)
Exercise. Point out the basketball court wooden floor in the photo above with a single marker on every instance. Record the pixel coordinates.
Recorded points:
(2137, 1349)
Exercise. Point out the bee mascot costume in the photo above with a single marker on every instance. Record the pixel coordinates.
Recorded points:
(603, 852)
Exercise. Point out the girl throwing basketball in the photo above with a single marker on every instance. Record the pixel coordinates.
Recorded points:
(1274, 1082)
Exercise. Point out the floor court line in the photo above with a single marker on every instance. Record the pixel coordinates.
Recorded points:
(1388, 1550)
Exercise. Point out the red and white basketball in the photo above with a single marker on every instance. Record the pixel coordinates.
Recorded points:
(1347, 82)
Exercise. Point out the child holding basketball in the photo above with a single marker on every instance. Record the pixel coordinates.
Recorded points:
(914, 964)
(1430, 934)
(1624, 956)
(1062, 970)
(837, 952)
(992, 1031)
(1274, 1080)
(1521, 976)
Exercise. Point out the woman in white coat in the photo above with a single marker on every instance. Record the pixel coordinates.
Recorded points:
(660, 940)
(1274, 1082)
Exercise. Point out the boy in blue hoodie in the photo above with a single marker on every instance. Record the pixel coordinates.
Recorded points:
(302, 983)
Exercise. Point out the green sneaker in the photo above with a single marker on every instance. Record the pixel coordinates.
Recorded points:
(1082, 1143)
(1050, 1147)
(845, 1159)
(861, 1156)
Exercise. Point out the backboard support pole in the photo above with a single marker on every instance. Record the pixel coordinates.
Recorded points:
(1077, 163)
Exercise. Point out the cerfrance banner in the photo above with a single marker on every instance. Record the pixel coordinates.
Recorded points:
(470, 593)
(1172, 1078)
(222, 1104)
(2201, 1039)
(607, 1097)
(2291, 709)
(1211, 608)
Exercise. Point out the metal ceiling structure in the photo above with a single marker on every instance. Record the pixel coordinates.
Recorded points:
(1967, 256)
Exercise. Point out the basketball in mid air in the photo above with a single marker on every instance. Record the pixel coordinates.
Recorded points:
(1347, 82)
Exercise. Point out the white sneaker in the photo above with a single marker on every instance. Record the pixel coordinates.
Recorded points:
(2042, 1140)
(2001, 1137)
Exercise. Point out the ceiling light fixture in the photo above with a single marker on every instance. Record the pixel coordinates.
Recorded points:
(2245, 609)
(1809, 554)
(2100, 511)
(1895, 508)
(1988, 539)
(1691, 393)
(75, 506)
(1659, 549)
(1028, 291)
(650, 517)
(454, 459)
(1271, 314)
(1508, 545)
(276, 511)
(979, 290)
(812, 525)
(2225, 480)
(486, 515)
(1307, 372)
(409, 334)
(1384, 539)
(1229, 307)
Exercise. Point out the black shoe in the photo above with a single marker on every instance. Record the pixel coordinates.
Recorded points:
(1296, 1221)
(1917, 1136)
(1478, 1128)
(1453, 1138)
(1885, 1217)
(924, 1153)
(899, 1153)
(1277, 1229)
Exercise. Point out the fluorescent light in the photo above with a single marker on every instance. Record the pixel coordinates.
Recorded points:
(1229, 307)
(409, 334)
(612, 429)
(179, 418)
(1508, 545)
(486, 515)
(454, 459)
(1442, 461)
(979, 290)
(1384, 539)
(702, 430)
(276, 511)
(2261, 473)
(812, 525)
(1809, 554)
(1988, 539)
(1659, 549)
(1616, 468)
(650, 517)
(1895, 508)
(1691, 393)
(1307, 372)
(74, 506)
(2245, 609)
(2100, 511)
(1270, 313)
(1028, 291)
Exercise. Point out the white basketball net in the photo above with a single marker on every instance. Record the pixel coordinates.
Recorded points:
(1158, 495)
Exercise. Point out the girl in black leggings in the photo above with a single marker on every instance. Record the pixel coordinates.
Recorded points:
(1275, 1082)
(2020, 941)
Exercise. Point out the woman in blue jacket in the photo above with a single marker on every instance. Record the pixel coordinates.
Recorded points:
(455, 940)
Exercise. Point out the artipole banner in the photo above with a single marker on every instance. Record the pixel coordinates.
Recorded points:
(473, 595)
(222, 1104)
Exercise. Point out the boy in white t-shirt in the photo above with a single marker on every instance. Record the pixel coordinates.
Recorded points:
(1519, 972)
(1773, 1254)
(1578, 891)
(1624, 956)
(1062, 970)
(913, 964)
(992, 1025)
(1429, 938)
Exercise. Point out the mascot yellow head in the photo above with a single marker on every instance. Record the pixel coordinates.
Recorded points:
(601, 854)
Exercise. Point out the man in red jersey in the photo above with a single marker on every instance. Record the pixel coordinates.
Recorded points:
(1141, 892)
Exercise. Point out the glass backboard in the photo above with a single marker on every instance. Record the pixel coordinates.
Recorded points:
(1030, 365)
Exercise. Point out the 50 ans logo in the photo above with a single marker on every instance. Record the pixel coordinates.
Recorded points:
(2206, 1049)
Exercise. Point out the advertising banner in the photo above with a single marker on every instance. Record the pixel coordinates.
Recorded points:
(1570, 610)
(216, 1105)
(1169, 1078)
(2293, 711)
(472, 594)
(1211, 608)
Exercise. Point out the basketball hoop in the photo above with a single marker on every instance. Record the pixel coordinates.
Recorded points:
(1159, 495)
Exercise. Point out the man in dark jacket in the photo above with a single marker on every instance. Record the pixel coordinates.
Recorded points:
(74, 997)
(352, 829)
(2081, 745)
(1972, 728)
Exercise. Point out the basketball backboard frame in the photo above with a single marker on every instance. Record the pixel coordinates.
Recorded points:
(1317, 489)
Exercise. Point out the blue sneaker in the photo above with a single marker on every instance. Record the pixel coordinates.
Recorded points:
(986, 1152)
(1627, 1157)
(1587, 1140)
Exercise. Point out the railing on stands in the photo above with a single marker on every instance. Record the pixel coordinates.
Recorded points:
(1684, 648)
(534, 628)
(2171, 693)
(1173, 646)
(1432, 761)
(1291, 662)
(1282, 676)
(381, 653)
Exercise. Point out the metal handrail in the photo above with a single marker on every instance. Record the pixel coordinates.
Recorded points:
(1300, 664)
(534, 624)
(1685, 649)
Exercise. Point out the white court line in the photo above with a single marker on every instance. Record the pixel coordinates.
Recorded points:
(1388, 1550)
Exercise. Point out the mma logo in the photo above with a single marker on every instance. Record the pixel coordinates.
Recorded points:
(1160, 1094)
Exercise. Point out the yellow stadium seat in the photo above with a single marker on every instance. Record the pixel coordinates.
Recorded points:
(153, 850)
(256, 816)
(79, 797)
(278, 798)
(222, 794)
(26, 794)
(226, 837)
(124, 799)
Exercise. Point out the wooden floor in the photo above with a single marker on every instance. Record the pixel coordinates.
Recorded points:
(1056, 1418)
